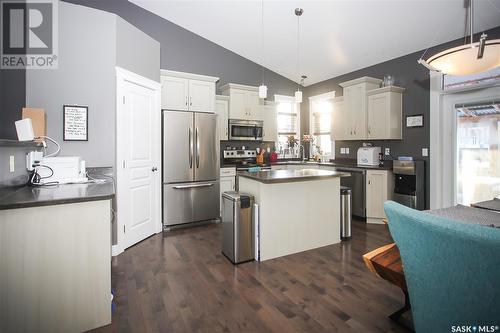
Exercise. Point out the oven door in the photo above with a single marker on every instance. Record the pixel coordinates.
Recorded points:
(245, 130)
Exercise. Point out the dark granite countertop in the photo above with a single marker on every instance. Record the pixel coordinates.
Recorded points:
(348, 163)
(287, 176)
(30, 196)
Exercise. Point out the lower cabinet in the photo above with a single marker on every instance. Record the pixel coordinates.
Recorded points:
(227, 182)
(379, 187)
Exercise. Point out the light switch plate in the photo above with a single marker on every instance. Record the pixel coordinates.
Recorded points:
(12, 163)
(342, 150)
(347, 150)
(425, 152)
(388, 151)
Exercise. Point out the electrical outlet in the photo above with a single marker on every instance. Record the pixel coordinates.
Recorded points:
(12, 164)
(425, 152)
(347, 150)
(388, 151)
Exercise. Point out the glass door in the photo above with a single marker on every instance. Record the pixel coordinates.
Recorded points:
(477, 152)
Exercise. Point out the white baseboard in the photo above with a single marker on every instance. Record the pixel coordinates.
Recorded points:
(374, 220)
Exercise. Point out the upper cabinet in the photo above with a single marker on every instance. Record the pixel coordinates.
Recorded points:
(244, 102)
(355, 107)
(222, 112)
(338, 127)
(385, 106)
(269, 115)
(187, 92)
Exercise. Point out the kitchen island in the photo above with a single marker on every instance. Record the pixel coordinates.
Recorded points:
(298, 210)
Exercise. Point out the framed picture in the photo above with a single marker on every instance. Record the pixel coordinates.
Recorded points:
(76, 123)
(415, 121)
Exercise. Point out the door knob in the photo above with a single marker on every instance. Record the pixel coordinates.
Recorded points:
(154, 169)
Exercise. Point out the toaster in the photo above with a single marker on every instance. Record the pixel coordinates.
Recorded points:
(369, 156)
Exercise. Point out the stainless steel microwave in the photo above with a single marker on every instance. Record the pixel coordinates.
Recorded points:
(248, 130)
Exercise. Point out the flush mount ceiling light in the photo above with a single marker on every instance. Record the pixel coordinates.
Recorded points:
(298, 93)
(471, 58)
(262, 87)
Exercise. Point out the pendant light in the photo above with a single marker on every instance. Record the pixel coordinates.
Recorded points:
(262, 87)
(471, 58)
(298, 93)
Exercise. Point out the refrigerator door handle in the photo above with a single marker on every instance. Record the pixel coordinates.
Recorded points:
(190, 147)
(180, 187)
(197, 148)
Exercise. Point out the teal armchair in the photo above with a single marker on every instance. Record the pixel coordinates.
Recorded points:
(452, 270)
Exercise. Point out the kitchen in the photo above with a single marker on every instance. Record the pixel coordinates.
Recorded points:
(240, 194)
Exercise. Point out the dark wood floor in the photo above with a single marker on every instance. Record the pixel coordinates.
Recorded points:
(180, 282)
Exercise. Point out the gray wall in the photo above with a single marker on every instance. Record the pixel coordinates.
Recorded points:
(408, 74)
(20, 174)
(86, 76)
(136, 51)
(89, 42)
(182, 50)
(12, 100)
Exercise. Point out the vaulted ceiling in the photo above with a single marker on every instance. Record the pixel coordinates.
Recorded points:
(336, 36)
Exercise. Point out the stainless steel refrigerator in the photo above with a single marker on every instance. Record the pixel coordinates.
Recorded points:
(190, 167)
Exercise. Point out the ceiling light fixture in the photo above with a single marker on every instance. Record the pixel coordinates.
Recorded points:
(298, 93)
(467, 59)
(262, 87)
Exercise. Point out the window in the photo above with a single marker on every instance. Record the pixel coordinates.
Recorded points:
(478, 161)
(321, 117)
(288, 118)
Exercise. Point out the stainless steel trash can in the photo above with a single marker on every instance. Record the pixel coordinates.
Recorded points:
(238, 235)
(345, 212)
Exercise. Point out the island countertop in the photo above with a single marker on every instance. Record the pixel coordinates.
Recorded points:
(287, 176)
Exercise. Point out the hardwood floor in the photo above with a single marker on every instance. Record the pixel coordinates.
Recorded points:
(180, 282)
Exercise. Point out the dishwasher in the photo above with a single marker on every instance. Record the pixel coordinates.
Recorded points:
(356, 182)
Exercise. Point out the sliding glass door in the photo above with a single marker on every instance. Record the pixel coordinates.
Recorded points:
(477, 154)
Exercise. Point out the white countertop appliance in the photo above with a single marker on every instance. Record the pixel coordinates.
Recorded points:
(368, 156)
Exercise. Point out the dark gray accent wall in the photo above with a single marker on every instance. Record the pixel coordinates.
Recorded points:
(182, 50)
(12, 100)
(416, 100)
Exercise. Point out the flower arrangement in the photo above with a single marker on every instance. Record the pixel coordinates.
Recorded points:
(292, 141)
(307, 138)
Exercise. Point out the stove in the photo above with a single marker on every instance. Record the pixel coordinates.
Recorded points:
(242, 159)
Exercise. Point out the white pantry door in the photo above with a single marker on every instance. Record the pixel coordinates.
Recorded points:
(138, 159)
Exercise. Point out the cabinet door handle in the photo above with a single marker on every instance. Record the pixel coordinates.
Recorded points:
(186, 100)
(191, 100)
(369, 182)
(369, 130)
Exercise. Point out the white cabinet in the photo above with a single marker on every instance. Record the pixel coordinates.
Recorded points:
(385, 106)
(244, 102)
(222, 112)
(201, 96)
(379, 188)
(338, 120)
(269, 115)
(187, 92)
(227, 181)
(355, 107)
(174, 93)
